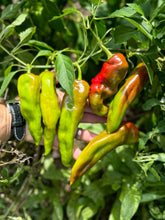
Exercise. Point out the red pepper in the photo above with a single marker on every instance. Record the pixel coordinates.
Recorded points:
(105, 83)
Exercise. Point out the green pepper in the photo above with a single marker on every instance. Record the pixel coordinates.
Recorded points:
(49, 107)
(100, 146)
(29, 93)
(124, 97)
(105, 83)
(71, 114)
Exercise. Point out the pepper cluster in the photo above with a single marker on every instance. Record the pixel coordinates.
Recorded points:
(39, 103)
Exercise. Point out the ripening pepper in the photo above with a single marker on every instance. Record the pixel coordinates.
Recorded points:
(100, 146)
(124, 97)
(29, 93)
(49, 107)
(105, 83)
(71, 114)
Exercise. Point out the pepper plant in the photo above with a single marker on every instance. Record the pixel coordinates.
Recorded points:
(77, 39)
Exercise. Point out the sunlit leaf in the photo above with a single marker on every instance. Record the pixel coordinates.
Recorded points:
(65, 73)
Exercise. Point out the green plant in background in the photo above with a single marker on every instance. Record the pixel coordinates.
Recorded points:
(128, 183)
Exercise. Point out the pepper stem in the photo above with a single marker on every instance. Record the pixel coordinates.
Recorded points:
(108, 52)
(79, 77)
(28, 68)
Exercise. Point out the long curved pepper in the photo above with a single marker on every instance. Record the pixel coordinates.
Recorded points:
(49, 107)
(71, 114)
(105, 83)
(101, 145)
(29, 93)
(124, 97)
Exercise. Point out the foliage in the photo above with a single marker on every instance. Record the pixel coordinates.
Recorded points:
(76, 37)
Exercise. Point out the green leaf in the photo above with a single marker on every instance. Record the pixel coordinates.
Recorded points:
(157, 11)
(44, 53)
(123, 33)
(139, 27)
(40, 45)
(6, 82)
(125, 11)
(143, 140)
(58, 209)
(93, 192)
(8, 70)
(136, 7)
(150, 103)
(41, 53)
(148, 197)
(10, 28)
(20, 19)
(71, 208)
(130, 203)
(26, 35)
(115, 212)
(11, 10)
(67, 11)
(65, 73)
(161, 127)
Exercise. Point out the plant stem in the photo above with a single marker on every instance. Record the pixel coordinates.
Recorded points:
(79, 71)
(14, 57)
(108, 53)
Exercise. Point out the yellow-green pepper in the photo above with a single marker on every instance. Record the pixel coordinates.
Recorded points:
(49, 107)
(29, 93)
(100, 146)
(71, 114)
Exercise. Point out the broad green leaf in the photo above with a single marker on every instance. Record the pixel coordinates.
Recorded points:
(58, 209)
(115, 212)
(26, 35)
(8, 70)
(130, 203)
(150, 103)
(44, 53)
(41, 53)
(71, 208)
(125, 11)
(10, 28)
(6, 32)
(143, 139)
(93, 192)
(20, 19)
(88, 212)
(139, 27)
(85, 208)
(123, 33)
(161, 127)
(148, 197)
(11, 10)
(157, 11)
(136, 7)
(6, 82)
(40, 45)
(65, 73)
